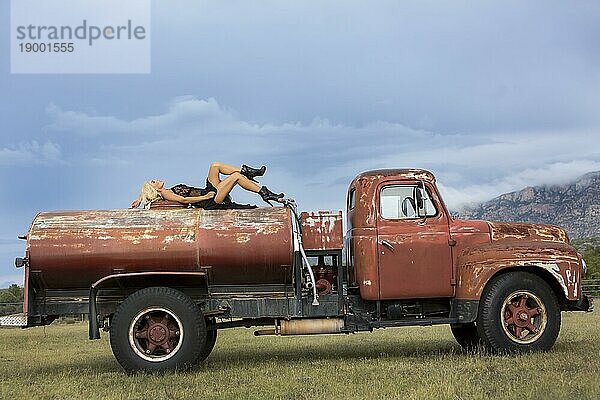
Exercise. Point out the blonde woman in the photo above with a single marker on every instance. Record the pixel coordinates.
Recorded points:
(216, 193)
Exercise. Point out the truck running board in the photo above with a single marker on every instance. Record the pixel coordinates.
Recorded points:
(13, 321)
(414, 322)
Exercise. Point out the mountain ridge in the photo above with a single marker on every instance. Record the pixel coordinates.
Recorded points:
(574, 206)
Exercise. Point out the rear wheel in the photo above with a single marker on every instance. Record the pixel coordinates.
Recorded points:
(211, 339)
(518, 312)
(466, 335)
(157, 329)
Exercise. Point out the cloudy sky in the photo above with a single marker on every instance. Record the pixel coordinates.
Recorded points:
(490, 96)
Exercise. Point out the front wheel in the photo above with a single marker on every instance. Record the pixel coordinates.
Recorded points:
(518, 312)
(157, 329)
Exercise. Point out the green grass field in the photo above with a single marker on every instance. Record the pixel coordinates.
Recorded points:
(408, 363)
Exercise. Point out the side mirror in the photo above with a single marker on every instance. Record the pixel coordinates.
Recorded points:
(421, 198)
(418, 196)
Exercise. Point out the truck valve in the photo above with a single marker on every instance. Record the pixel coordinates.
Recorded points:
(310, 275)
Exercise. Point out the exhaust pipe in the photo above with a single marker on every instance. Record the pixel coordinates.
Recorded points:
(265, 332)
(312, 326)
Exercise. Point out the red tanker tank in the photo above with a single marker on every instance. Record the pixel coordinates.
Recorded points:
(73, 249)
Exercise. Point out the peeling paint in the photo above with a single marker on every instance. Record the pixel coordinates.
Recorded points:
(322, 230)
(522, 231)
(269, 229)
(74, 248)
(555, 271)
(242, 237)
(479, 263)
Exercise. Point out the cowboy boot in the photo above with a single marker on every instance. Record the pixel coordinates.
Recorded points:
(251, 173)
(267, 195)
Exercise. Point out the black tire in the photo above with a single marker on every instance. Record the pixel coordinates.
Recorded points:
(157, 329)
(511, 301)
(211, 339)
(466, 335)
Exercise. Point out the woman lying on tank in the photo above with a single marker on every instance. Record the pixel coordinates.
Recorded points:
(215, 196)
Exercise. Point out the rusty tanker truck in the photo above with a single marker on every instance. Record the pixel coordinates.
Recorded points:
(164, 281)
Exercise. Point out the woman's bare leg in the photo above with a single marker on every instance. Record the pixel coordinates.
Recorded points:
(226, 185)
(217, 168)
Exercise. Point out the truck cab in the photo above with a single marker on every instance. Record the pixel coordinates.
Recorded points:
(417, 264)
(399, 236)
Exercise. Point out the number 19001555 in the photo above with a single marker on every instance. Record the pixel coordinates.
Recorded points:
(43, 47)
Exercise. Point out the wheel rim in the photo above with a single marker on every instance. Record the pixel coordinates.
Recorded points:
(523, 317)
(155, 334)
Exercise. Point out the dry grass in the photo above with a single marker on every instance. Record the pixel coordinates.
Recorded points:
(407, 363)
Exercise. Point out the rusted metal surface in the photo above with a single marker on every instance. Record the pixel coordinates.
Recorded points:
(26, 292)
(365, 271)
(366, 185)
(427, 260)
(322, 230)
(515, 245)
(166, 205)
(525, 317)
(415, 259)
(247, 246)
(478, 264)
(111, 280)
(76, 248)
(465, 234)
(156, 334)
(522, 231)
(470, 227)
(405, 258)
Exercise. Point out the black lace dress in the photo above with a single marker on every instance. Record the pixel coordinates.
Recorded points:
(209, 204)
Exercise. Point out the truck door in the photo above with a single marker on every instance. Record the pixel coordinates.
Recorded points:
(415, 259)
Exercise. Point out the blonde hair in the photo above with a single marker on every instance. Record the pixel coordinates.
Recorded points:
(149, 194)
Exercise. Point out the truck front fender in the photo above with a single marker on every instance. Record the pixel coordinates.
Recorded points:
(557, 262)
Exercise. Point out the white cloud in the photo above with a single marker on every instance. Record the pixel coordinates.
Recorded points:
(31, 153)
(556, 173)
(182, 113)
(314, 162)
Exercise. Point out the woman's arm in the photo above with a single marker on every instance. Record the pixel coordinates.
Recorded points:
(136, 203)
(169, 195)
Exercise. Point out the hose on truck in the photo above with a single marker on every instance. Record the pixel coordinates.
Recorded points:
(297, 231)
